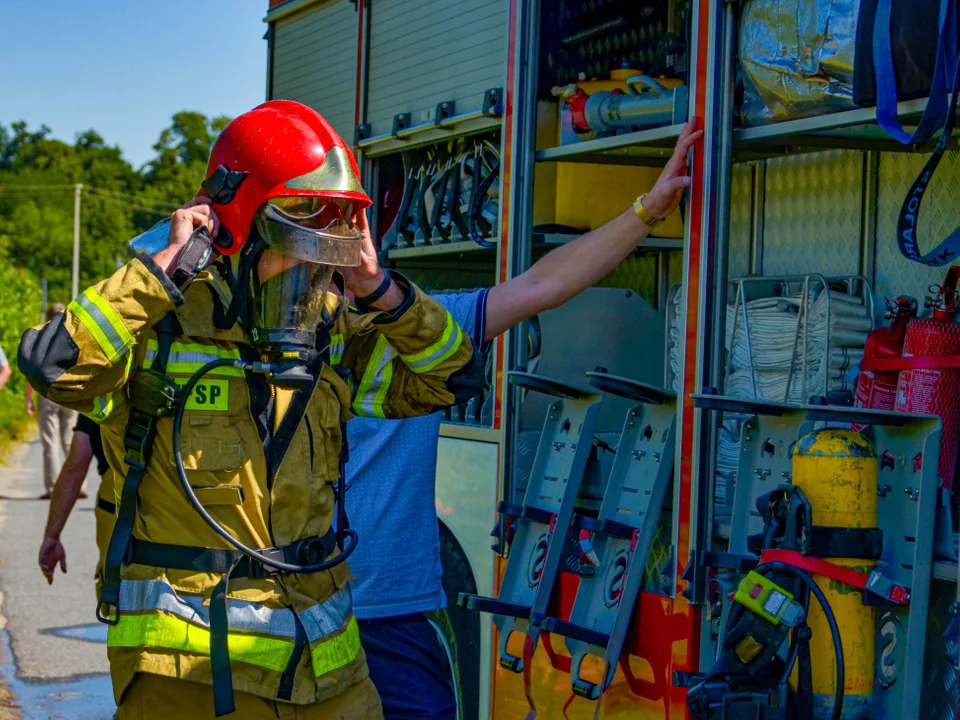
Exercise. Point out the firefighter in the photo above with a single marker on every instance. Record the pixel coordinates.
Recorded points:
(406, 633)
(235, 360)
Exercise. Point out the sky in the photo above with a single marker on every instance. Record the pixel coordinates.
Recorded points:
(124, 68)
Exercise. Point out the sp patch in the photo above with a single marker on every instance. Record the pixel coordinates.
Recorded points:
(210, 395)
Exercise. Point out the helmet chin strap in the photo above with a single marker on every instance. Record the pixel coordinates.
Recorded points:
(239, 303)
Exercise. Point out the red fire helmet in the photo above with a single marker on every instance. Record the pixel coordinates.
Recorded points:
(279, 149)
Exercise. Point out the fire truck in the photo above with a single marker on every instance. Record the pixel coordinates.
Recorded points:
(639, 449)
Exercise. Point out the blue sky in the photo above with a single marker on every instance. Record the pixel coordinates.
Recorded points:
(124, 67)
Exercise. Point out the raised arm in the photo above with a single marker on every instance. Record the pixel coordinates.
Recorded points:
(569, 270)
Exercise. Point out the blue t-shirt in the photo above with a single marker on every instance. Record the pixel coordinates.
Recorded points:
(391, 498)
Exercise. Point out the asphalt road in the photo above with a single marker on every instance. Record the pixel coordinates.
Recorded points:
(53, 656)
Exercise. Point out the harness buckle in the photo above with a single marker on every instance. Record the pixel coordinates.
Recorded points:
(886, 588)
(153, 393)
(108, 614)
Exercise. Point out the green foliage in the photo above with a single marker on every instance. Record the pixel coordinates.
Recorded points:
(37, 175)
(37, 179)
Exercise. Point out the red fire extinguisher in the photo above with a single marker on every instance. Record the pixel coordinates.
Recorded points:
(930, 381)
(877, 389)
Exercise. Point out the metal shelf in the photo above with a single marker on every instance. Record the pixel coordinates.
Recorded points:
(449, 248)
(944, 570)
(646, 147)
(855, 129)
(649, 243)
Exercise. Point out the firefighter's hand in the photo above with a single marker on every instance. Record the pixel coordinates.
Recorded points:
(183, 222)
(365, 278)
(666, 194)
(52, 553)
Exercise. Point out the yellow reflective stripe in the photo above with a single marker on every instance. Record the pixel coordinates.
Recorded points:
(172, 633)
(449, 343)
(187, 358)
(102, 407)
(336, 652)
(103, 323)
(336, 349)
(376, 381)
(190, 368)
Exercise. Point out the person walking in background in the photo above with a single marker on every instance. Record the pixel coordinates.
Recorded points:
(70, 486)
(56, 428)
(5, 370)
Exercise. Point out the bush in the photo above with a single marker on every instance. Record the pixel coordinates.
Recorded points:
(20, 308)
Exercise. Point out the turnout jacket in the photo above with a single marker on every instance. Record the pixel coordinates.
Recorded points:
(292, 637)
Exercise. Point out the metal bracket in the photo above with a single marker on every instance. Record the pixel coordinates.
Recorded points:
(493, 103)
(444, 111)
(549, 503)
(401, 121)
(911, 444)
(624, 530)
(362, 132)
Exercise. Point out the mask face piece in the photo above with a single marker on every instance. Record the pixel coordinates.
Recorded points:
(306, 239)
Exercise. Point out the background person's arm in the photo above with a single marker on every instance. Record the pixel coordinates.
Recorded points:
(572, 268)
(5, 373)
(65, 494)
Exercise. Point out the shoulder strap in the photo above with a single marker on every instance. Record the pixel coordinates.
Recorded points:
(907, 223)
(138, 445)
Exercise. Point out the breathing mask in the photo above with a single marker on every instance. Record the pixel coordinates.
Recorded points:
(304, 239)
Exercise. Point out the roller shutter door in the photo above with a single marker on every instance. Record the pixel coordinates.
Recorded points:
(315, 61)
(423, 52)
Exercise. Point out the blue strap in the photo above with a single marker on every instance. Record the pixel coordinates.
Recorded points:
(949, 248)
(933, 114)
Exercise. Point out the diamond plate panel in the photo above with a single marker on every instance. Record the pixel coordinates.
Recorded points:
(674, 267)
(939, 692)
(452, 277)
(741, 193)
(940, 214)
(637, 273)
(812, 213)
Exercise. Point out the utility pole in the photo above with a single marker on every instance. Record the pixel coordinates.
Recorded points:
(75, 287)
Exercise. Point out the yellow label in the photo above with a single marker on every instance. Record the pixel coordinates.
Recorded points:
(748, 649)
(210, 395)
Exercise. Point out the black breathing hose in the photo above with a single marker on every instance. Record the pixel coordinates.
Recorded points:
(776, 567)
(349, 545)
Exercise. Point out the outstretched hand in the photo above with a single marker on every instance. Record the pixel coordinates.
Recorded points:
(665, 196)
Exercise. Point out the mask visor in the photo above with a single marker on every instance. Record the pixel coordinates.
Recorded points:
(313, 229)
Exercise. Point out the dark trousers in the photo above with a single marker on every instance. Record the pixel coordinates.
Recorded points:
(410, 668)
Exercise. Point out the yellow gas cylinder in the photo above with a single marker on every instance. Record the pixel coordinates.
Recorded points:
(837, 471)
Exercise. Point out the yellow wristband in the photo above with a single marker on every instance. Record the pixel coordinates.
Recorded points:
(645, 216)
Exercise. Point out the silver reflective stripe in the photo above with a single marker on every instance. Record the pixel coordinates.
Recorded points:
(329, 617)
(139, 595)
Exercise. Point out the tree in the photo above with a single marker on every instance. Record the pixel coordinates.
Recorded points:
(36, 211)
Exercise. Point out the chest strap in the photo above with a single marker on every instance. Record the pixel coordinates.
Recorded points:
(138, 446)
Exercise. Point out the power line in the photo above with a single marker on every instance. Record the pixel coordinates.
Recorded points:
(135, 198)
(107, 193)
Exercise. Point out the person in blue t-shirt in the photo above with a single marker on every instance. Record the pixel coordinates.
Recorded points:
(399, 598)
